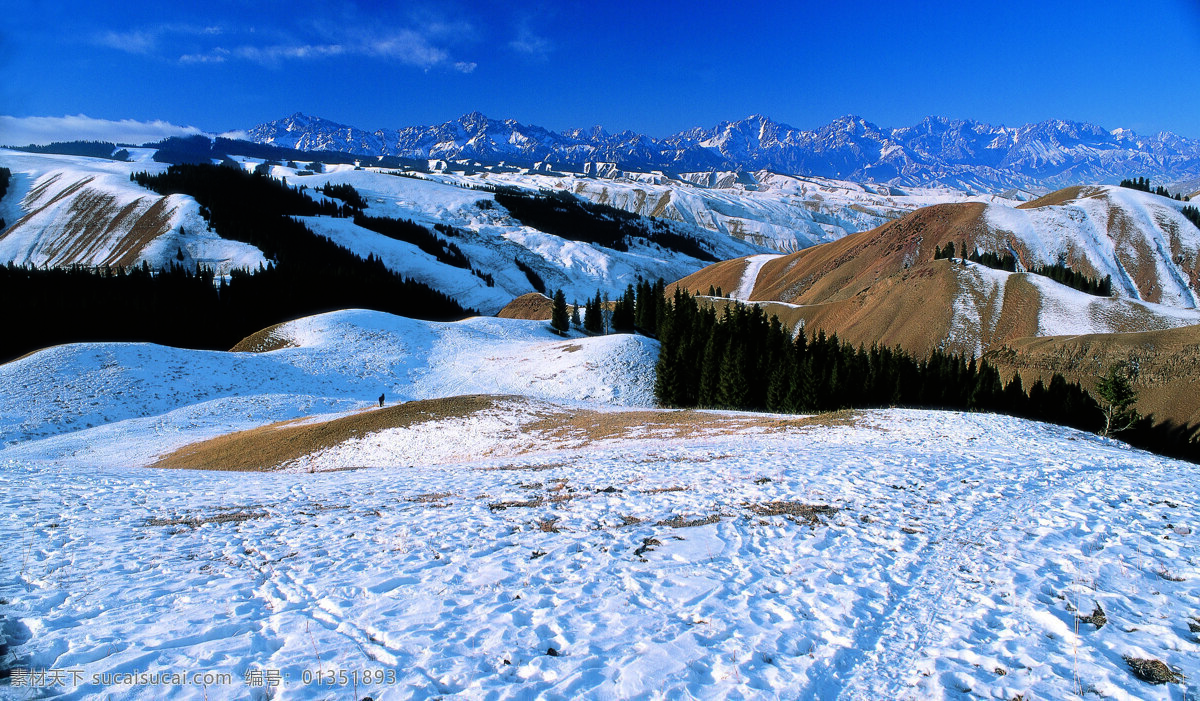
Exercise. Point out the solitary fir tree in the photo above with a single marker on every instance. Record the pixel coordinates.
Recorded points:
(1116, 397)
(559, 321)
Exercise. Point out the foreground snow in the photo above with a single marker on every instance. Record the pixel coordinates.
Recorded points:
(661, 554)
(953, 562)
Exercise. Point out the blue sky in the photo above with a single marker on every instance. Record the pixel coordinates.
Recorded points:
(655, 67)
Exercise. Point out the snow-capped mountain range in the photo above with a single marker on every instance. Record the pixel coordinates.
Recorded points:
(937, 151)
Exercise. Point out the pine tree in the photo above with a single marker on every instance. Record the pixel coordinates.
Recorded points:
(593, 320)
(575, 314)
(1117, 398)
(559, 321)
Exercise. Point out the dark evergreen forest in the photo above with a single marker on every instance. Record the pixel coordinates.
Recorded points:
(187, 308)
(739, 358)
(1059, 272)
(5, 177)
(93, 149)
(565, 215)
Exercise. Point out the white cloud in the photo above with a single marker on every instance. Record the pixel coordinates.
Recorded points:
(21, 131)
(134, 42)
(217, 55)
(465, 66)
(405, 46)
(530, 44)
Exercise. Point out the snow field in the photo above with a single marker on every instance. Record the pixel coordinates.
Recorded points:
(84, 402)
(961, 551)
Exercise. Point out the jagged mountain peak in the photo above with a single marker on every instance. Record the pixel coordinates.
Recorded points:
(937, 151)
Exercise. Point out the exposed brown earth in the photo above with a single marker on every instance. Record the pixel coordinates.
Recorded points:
(726, 275)
(883, 286)
(1062, 196)
(269, 447)
(533, 306)
(95, 230)
(1167, 365)
(269, 339)
(275, 446)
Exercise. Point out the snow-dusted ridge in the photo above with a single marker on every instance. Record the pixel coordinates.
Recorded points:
(64, 210)
(936, 151)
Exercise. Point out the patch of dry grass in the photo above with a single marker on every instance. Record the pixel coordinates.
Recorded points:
(270, 447)
(197, 521)
(797, 511)
(1153, 671)
(264, 341)
(681, 522)
(664, 490)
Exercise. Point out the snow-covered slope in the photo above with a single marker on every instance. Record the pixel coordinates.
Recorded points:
(937, 151)
(899, 555)
(65, 210)
(90, 395)
(884, 286)
(1141, 240)
(779, 212)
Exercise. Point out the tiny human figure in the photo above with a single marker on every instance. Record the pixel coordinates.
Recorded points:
(381, 401)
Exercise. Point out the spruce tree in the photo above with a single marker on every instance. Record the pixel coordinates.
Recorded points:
(559, 320)
(1117, 398)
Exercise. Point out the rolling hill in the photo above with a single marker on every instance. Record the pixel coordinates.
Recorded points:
(884, 286)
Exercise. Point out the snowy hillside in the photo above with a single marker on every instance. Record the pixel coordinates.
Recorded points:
(779, 212)
(1141, 240)
(88, 397)
(543, 546)
(63, 210)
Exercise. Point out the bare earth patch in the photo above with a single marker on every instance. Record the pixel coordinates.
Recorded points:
(681, 522)
(265, 341)
(544, 427)
(269, 447)
(797, 511)
(196, 521)
(1152, 671)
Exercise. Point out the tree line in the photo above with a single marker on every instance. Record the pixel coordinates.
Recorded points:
(310, 274)
(739, 358)
(638, 309)
(191, 308)
(5, 177)
(1059, 272)
(1143, 184)
(93, 149)
(564, 215)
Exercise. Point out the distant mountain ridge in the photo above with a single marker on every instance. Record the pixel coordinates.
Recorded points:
(935, 152)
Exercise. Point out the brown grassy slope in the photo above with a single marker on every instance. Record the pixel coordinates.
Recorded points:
(268, 339)
(95, 223)
(727, 275)
(1167, 362)
(534, 306)
(1063, 196)
(884, 286)
(880, 286)
(269, 447)
(274, 446)
(843, 268)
